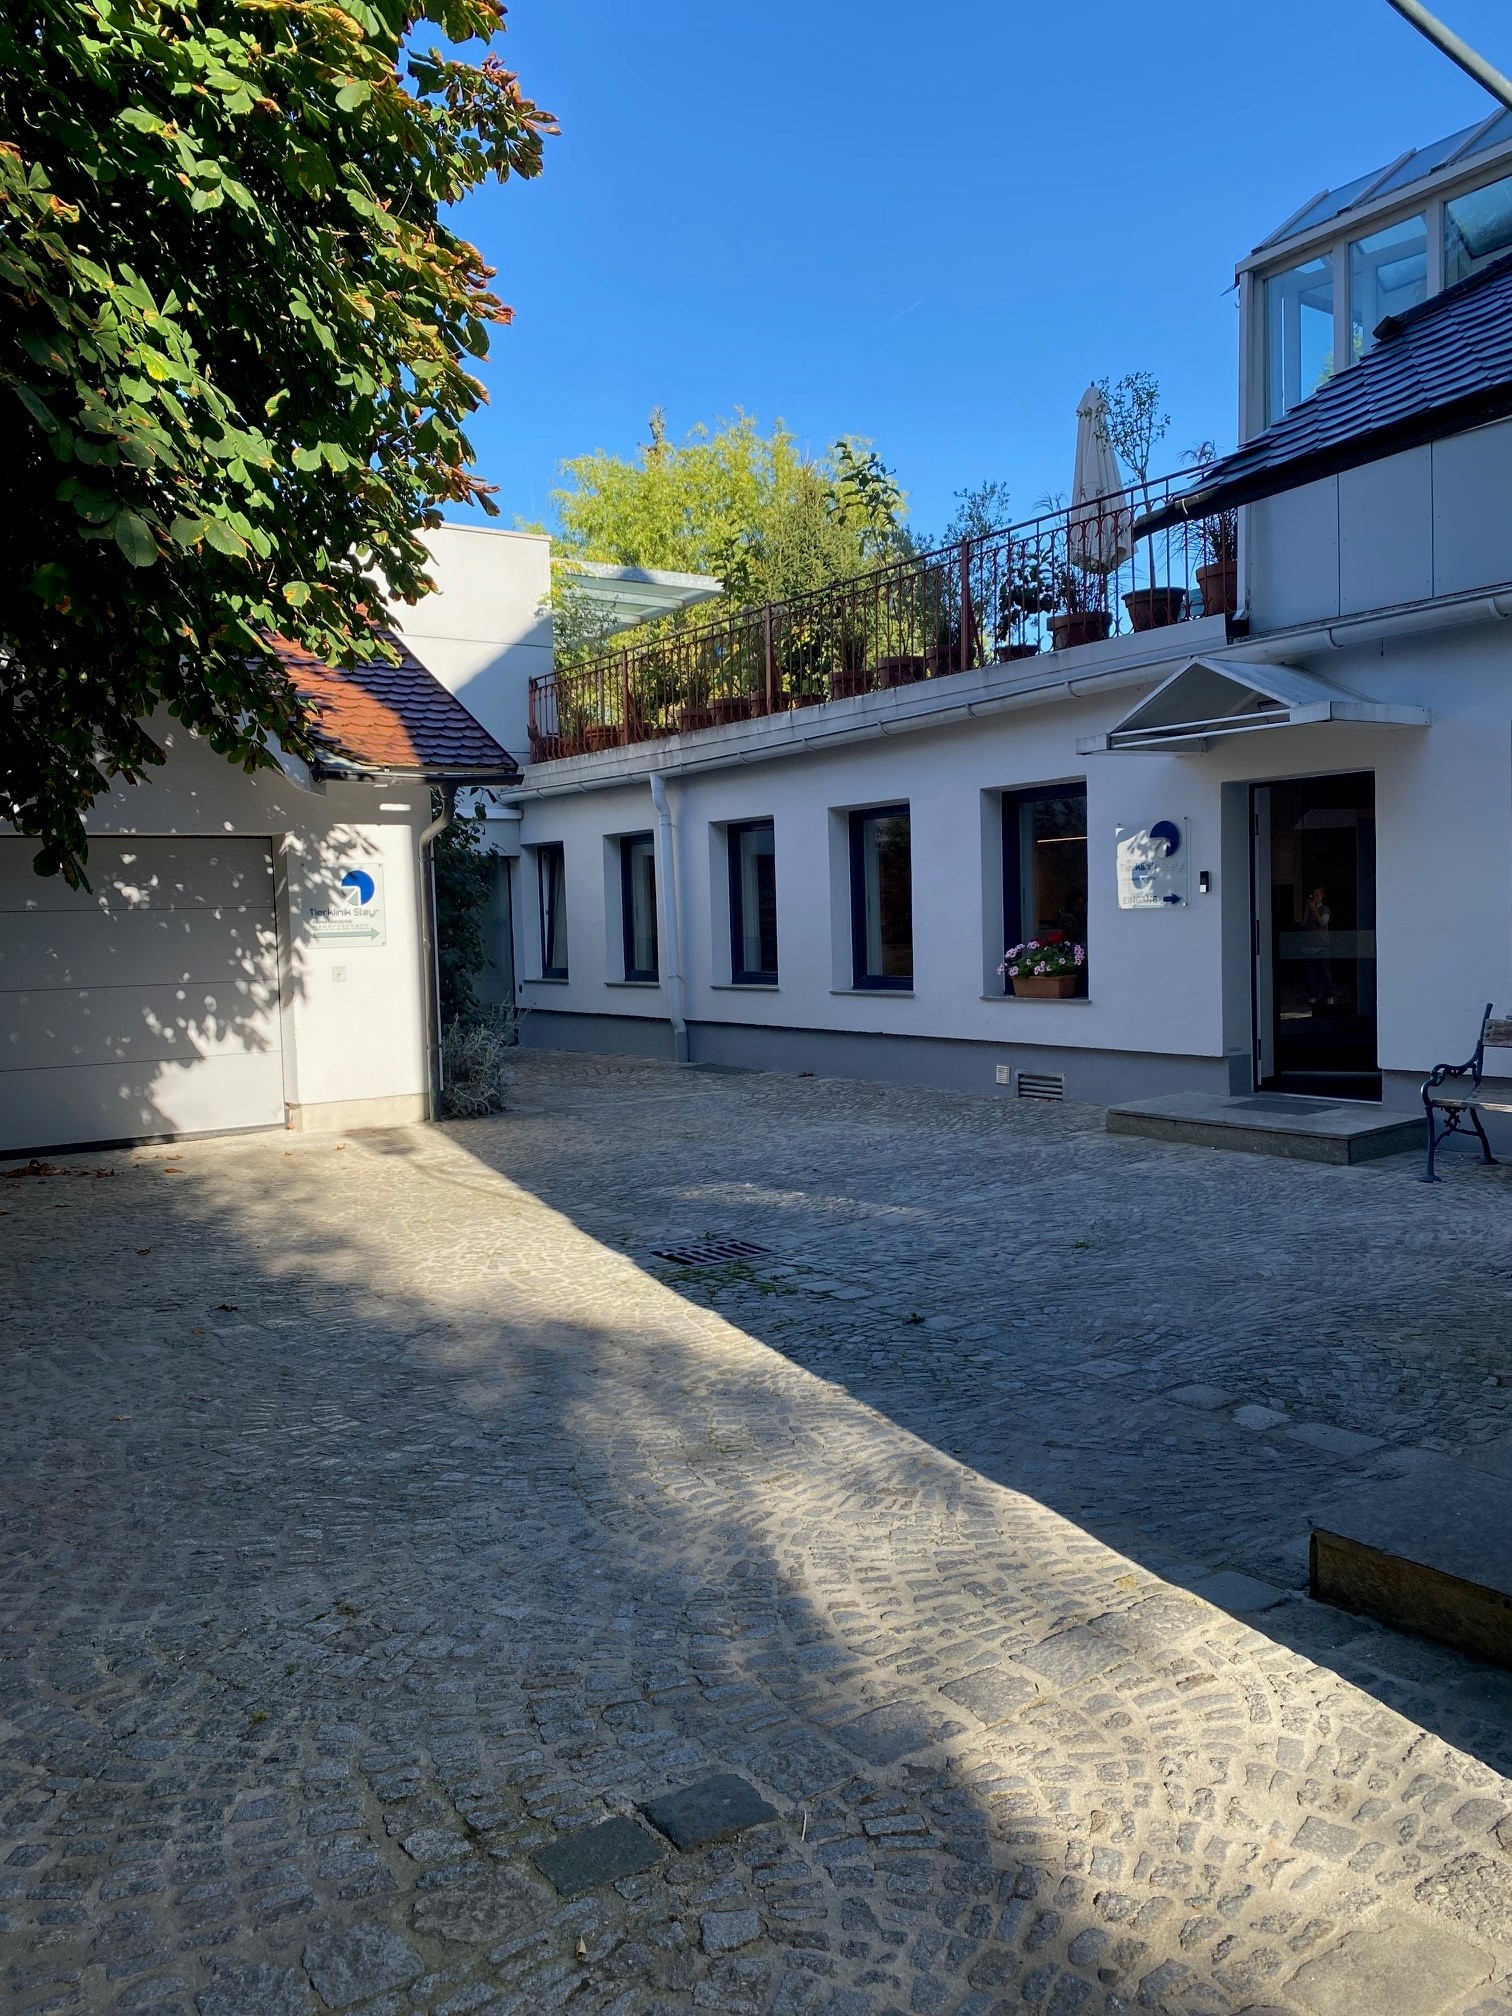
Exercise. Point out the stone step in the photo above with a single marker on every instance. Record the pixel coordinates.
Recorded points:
(1430, 1553)
(1272, 1123)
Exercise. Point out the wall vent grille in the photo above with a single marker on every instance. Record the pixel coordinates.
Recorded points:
(710, 1252)
(1042, 1085)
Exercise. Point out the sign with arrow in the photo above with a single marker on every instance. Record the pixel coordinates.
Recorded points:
(354, 913)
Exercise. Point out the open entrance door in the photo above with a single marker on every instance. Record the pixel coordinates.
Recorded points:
(1315, 936)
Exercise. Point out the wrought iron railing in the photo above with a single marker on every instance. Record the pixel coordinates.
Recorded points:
(1074, 575)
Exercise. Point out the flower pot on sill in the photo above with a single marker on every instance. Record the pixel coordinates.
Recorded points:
(690, 719)
(1079, 626)
(602, 735)
(1218, 581)
(1044, 986)
(849, 681)
(1154, 608)
(1007, 653)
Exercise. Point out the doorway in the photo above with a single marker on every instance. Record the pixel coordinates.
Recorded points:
(1314, 858)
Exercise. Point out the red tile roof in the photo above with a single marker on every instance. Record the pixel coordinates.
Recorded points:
(394, 717)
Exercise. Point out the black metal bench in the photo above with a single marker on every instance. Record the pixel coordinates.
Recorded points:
(1458, 1107)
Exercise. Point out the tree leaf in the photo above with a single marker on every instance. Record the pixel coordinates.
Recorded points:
(134, 537)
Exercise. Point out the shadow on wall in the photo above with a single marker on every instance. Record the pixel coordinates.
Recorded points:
(156, 1003)
(441, 1528)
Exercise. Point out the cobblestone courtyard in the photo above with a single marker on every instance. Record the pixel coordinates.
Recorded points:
(379, 1513)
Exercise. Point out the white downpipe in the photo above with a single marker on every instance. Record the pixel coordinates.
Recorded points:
(430, 950)
(666, 847)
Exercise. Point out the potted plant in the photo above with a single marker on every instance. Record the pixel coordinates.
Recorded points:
(1135, 427)
(1028, 592)
(1218, 541)
(1218, 575)
(1045, 969)
(1079, 619)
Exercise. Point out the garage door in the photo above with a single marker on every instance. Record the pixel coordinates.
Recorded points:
(145, 1006)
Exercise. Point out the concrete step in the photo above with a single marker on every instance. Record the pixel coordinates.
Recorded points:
(1272, 1123)
(1430, 1552)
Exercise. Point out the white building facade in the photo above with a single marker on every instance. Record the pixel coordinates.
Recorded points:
(1279, 817)
(252, 951)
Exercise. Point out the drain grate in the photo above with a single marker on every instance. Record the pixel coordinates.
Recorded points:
(710, 1252)
(1041, 1085)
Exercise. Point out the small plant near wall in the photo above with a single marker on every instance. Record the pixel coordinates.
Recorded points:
(1048, 968)
(1218, 539)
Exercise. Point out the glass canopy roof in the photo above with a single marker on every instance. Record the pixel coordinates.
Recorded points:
(1395, 176)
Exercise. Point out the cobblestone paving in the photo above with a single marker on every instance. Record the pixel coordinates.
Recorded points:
(379, 1513)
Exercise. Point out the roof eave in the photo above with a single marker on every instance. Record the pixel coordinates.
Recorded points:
(353, 770)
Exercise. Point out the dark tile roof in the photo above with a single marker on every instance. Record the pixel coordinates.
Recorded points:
(1435, 370)
(395, 717)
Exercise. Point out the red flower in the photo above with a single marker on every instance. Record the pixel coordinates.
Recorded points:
(1055, 937)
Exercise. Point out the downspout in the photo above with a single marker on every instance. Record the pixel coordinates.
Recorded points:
(429, 950)
(667, 849)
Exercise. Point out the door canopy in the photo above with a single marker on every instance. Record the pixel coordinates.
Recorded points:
(1211, 699)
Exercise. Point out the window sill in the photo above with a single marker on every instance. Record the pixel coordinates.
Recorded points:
(875, 993)
(632, 983)
(546, 980)
(744, 987)
(1043, 1000)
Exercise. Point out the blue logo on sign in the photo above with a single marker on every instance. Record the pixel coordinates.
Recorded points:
(356, 879)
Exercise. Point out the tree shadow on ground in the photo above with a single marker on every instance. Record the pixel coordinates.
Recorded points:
(372, 1525)
(1080, 1318)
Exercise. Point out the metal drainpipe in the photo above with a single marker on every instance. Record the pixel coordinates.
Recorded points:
(429, 949)
(667, 848)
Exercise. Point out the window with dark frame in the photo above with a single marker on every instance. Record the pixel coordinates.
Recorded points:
(881, 897)
(638, 897)
(753, 903)
(551, 867)
(1045, 866)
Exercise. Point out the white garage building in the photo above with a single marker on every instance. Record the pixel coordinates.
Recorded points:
(253, 952)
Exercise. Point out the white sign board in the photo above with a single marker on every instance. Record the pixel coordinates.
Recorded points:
(1152, 865)
(353, 915)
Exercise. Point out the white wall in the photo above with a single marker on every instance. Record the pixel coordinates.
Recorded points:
(1444, 835)
(357, 1038)
(1433, 521)
(486, 632)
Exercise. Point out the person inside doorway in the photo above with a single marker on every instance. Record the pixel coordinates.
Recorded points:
(1319, 969)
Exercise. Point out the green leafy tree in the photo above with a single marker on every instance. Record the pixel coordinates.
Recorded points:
(463, 886)
(770, 520)
(1135, 424)
(235, 337)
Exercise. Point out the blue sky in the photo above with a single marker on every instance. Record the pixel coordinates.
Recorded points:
(930, 225)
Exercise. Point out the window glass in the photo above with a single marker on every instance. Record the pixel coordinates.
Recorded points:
(1045, 867)
(1477, 229)
(753, 902)
(1298, 333)
(638, 889)
(1388, 271)
(552, 863)
(882, 897)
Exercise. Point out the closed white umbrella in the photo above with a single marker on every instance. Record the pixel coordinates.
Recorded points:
(1100, 521)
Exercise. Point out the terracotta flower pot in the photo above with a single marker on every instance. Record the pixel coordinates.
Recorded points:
(902, 670)
(1044, 986)
(729, 707)
(1154, 608)
(1006, 653)
(602, 735)
(1079, 626)
(1219, 582)
(851, 680)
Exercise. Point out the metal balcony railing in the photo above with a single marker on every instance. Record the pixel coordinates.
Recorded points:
(1071, 576)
